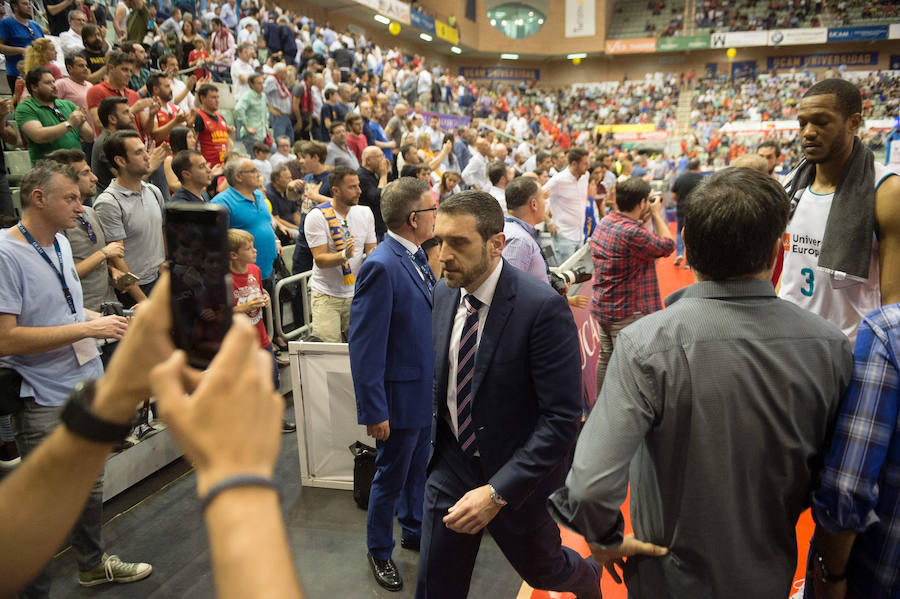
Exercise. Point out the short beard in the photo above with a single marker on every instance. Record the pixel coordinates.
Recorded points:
(469, 276)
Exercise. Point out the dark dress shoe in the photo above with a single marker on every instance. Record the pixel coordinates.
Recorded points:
(287, 426)
(411, 544)
(386, 573)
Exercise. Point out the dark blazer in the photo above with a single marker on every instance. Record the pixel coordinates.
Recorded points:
(391, 356)
(371, 197)
(526, 385)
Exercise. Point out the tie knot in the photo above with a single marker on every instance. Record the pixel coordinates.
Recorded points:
(472, 303)
(420, 254)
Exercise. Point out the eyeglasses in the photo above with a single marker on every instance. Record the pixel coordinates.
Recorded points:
(90, 230)
(432, 209)
(250, 170)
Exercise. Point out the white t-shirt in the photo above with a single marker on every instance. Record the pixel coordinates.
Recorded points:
(568, 201)
(360, 223)
(238, 68)
(843, 302)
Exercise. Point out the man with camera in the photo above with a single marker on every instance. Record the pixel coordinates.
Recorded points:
(526, 204)
(624, 254)
(48, 338)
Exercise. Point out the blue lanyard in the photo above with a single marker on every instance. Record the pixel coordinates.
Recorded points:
(423, 267)
(59, 273)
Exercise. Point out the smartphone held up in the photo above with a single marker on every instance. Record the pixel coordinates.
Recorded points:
(198, 255)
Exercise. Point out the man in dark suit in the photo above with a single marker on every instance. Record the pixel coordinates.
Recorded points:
(392, 364)
(373, 174)
(506, 414)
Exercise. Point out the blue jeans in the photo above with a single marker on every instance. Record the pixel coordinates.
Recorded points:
(281, 126)
(564, 248)
(679, 242)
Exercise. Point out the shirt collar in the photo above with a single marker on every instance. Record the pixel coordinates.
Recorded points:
(409, 245)
(485, 292)
(528, 227)
(724, 290)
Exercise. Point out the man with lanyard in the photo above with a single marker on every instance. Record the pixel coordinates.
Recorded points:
(17, 33)
(42, 316)
(336, 231)
(168, 116)
(46, 123)
(194, 174)
(842, 244)
(211, 127)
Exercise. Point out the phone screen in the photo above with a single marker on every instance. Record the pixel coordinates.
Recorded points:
(198, 254)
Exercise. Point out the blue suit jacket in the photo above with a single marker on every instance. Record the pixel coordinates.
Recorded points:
(391, 355)
(526, 385)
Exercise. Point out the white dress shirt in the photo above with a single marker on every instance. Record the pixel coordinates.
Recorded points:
(411, 248)
(71, 42)
(500, 196)
(484, 294)
(567, 197)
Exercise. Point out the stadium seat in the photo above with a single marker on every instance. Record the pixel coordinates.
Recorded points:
(17, 164)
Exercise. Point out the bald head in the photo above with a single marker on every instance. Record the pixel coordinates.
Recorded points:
(371, 158)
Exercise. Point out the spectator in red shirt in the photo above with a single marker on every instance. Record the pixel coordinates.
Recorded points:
(356, 140)
(118, 73)
(624, 254)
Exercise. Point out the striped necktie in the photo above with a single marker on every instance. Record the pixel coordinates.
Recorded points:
(465, 369)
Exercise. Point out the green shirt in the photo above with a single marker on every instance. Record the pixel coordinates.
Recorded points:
(32, 110)
(139, 79)
(137, 24)
(250, 111)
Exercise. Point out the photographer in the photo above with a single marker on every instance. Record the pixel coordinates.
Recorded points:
(624, 254)
(526, 205)
(228, 427)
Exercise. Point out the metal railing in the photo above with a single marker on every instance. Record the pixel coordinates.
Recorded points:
(303, 289)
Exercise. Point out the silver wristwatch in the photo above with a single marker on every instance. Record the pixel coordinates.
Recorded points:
(495, 497)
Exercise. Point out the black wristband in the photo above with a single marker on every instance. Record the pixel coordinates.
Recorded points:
(238, 480)
(80, 420)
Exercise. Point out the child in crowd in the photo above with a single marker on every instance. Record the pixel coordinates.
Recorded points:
(199, 57)
(249, 297)
(261, 159)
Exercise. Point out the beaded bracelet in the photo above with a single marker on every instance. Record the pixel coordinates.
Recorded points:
(238, 480)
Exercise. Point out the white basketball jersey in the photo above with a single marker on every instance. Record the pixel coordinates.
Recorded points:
(842, 302)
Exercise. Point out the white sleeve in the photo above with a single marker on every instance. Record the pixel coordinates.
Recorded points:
(316, 229)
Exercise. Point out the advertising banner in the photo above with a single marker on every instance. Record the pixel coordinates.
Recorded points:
(394, 9)
(642, 136)
(796, 37)
(858, 34)
(894, 31)
(626, 128)
(505, 73)
(682, 43)
(739, 39)
(422, 21)
(631, 46)
(580, 18)
(851, 59)
(446, 33)
(743, 68)
(449, 122)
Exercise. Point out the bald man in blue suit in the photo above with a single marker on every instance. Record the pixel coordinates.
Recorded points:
(392, 363)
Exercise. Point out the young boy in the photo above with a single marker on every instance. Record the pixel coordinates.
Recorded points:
(261, 159)
(249, 297)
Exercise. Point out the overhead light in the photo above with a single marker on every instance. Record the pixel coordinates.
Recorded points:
(577, 55)
(509, 56)
(382, 19)
(493, 22)
(503, 22)
(426, 37)
(455, 50)
(540, 21)
(520, 22)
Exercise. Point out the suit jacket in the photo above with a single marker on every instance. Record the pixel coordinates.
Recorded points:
(391, 356)
(526, 385)
(371, 197)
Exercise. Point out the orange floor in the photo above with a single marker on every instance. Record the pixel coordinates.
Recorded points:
(671, 278)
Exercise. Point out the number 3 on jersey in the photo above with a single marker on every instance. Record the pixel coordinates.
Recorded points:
(810, 281)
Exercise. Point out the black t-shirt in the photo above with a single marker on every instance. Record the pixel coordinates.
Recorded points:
(683, 186)
(60, 21)
(95, 60)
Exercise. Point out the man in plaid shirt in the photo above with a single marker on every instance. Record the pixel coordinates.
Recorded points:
(856, 547)
(624, 254)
